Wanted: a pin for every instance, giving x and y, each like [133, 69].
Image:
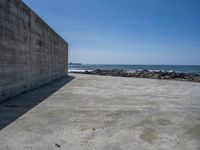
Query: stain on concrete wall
[31, 53]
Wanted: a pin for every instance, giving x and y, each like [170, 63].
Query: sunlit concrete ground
[104, 113]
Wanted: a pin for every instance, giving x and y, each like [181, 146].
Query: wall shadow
[13, 108]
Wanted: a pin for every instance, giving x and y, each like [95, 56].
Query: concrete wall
[31, 53]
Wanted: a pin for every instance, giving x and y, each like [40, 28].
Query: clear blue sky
[126, 31]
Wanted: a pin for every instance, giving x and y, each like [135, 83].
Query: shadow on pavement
[13, 108]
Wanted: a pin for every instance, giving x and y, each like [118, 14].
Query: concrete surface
[31, 53]
[106, 113]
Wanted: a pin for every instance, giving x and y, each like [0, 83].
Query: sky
[126, 31]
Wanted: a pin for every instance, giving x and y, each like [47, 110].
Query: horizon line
[136, 64]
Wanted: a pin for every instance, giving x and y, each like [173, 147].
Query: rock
[57, 145]
[156, 76]
[87, 72]
[171, 75]
[167, 77]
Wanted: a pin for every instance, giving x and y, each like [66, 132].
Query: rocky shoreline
[163, 75]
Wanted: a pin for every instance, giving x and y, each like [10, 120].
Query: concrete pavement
[104, 113]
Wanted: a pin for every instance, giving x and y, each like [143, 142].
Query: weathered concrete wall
[31, 53]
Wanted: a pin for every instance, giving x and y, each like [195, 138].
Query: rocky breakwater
[164, 75]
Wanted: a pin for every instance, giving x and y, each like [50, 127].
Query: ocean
[176, 68]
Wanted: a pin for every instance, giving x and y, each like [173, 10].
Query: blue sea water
[176, 68]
